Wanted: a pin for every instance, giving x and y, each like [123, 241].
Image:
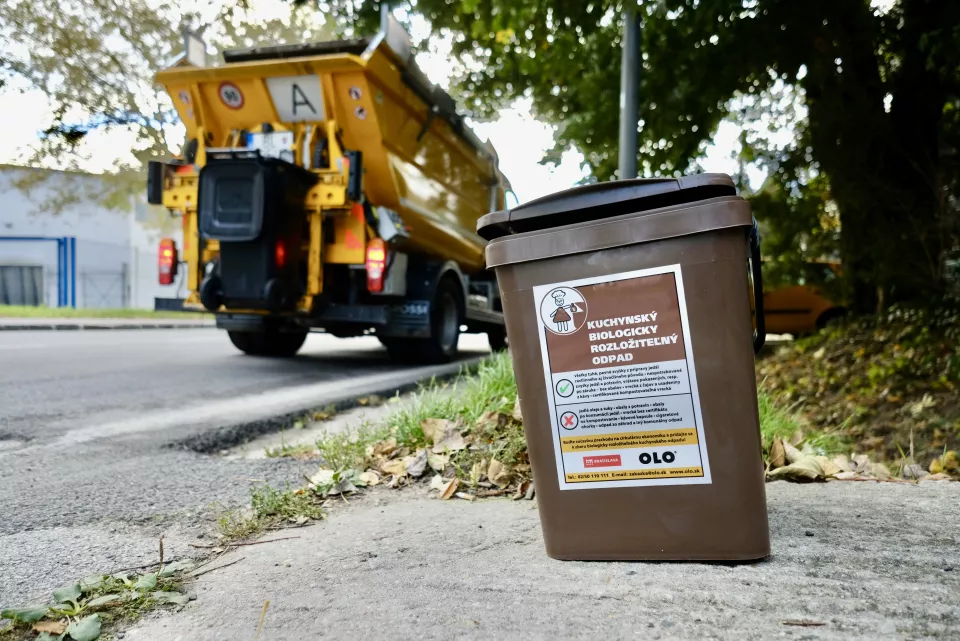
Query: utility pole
[629, 82]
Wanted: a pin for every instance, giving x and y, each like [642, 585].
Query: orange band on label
[627, 440]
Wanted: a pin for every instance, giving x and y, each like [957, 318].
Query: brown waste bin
[628, 307]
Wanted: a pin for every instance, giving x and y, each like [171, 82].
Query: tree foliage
[875, 149]
[871, 95]
[95, 60]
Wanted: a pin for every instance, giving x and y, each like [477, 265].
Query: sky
[520, 140]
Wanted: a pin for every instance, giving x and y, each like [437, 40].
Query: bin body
[631, 344]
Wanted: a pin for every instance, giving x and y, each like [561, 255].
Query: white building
[116, 251]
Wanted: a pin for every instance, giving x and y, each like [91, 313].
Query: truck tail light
[167, 261]
[376, 265]
[280, 254]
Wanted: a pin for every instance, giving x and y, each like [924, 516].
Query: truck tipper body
[329, 186]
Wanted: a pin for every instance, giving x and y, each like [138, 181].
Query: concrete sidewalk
[850, 561]
[103, 323]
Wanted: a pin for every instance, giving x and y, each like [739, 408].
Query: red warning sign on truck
[618, 363]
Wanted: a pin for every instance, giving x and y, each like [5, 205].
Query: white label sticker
[276, 144]
[231, 95]
[297, 98]
[621, 384]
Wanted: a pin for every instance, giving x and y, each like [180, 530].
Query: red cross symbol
[568, 420]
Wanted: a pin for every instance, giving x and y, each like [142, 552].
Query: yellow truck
[329, 187]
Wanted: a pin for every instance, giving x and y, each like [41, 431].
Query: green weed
[775, 421]
[491, 388]
[346, 450]
[86, 609]
[269, 509]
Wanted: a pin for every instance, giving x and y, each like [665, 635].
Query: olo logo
[667, 457]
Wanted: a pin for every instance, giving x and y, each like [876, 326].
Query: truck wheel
[497, 339]
[446, 315]
[269, 343]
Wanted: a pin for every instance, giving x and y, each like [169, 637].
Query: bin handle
[760, 333]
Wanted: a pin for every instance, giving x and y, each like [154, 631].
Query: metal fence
[105, 290]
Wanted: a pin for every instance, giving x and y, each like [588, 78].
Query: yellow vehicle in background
[803, 308]
[329, 186]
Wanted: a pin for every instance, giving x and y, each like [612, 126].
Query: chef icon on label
[563, 310]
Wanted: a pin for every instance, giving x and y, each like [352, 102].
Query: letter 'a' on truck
[329, 186]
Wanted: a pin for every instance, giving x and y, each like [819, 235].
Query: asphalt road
[92, 467]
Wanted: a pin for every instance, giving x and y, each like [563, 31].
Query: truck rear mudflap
[254, 207]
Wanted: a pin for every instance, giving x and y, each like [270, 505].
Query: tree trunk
[883, 167]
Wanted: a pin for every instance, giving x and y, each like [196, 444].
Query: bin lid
[603, 200]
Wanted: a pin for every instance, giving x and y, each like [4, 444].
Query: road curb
[57, 327]
[230, 436]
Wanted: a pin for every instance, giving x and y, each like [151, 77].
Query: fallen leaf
[778, 456]
[86, 629]
[498, 473]
[925, 403]
[829, 467]
[385, 447]
[843, 462]
[396, 467]
[438, 462]
[860, 461]
[521, 490]
[434, 429]
[806, 469]
[452, 442]
[494, 469]
[879, 470]
[517, 413]
[846, 476]
[476, 472]
[491, 420]
[940, 476]
[449, 489]
[417, 465]
[531, 491]
[791, 453]
[53, 627]
[369, 478]
[437, 482]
